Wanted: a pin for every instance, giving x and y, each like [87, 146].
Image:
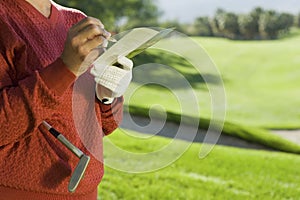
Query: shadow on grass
[181, 65]
[251, 134]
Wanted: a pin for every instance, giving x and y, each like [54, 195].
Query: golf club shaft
[63, 140]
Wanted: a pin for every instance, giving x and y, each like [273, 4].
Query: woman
[42, 49]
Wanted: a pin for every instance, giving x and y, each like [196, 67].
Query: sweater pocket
[58, 163]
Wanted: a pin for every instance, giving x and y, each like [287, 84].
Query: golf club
[82, 164]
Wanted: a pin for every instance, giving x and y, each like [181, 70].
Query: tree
[248, 27]
[146, 14]
[256, 13]
[268, 25]
[203, 27]
[298, 20]
[182, 28]
[285, 22]
[249, 23]
[225, 24]
[272, 23]
[230, 26]
[119, 14]
[215, 28]
[218, 22]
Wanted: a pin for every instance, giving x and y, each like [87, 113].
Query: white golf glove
[114, 79]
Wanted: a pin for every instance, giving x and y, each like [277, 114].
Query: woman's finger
[85, 22]
[92, 32]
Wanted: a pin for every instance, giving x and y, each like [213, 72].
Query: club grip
[54, 132]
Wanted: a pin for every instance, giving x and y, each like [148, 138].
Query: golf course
[261, 84]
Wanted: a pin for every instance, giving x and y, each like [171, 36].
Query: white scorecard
[131, 44]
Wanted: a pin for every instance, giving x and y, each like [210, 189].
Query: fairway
[261, 80]
[225, 174]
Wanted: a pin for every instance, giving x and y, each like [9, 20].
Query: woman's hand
[80, 49]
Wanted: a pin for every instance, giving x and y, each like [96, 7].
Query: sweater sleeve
[23, 106]
[110, 115]
[25, 102]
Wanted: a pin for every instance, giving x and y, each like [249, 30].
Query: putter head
[78, 173]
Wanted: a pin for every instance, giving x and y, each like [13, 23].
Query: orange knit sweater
[35, 85]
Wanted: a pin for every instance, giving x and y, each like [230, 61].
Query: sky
[188, 10]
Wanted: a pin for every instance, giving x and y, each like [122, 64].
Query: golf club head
[78, 173]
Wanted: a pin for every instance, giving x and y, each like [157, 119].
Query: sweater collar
[33, 13]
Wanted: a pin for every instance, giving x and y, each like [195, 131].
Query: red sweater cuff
[57, 77]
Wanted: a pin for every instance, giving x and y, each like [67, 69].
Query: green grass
[226, 173]
[262, 90]
[261, 80]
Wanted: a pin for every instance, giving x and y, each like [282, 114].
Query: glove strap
[107, 101]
